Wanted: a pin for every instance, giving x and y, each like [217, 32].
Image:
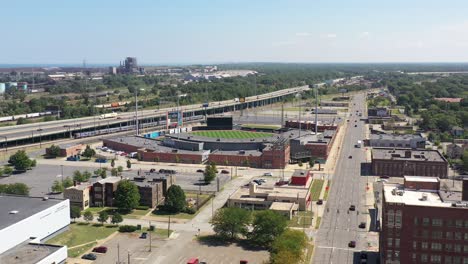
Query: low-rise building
[400, 162]
[103, 191]
[421, 224]
[26, 223]
[455, 151]
[378, 111]
[310, 145]
[300, 177]
[151, 192]
[286, 198]
[67, 150]
[457, 131]
[79, 195]
[399, 141]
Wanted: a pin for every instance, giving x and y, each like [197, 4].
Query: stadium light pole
[299, 97]
[136, 111]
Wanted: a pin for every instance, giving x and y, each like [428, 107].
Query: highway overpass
[33, 133]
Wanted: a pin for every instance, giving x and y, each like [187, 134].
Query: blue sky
[191, 31]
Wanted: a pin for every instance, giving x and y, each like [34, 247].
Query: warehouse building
[398, 141]
[26, 223]
[401, 162]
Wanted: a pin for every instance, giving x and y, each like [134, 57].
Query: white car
[268, 174]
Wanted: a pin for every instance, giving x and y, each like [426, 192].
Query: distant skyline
[187, 32]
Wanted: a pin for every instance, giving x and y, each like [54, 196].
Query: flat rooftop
[421, 179]
[246, 153]
[407, 154]
[280, 206]
[395, 137]
[151, 145]
[25, 207]
[299, 173]
[27, 253]
[198, 138]
[412, 197]
[110, 180]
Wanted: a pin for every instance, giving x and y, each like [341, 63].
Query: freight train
[30, 115]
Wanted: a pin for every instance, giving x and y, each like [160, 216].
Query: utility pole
[149, 231]
[118, 253]
[316, 110]
[128, 254]
[136, 112]
[169, 226]
[61, 166]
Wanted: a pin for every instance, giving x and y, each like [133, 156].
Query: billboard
[174, 117]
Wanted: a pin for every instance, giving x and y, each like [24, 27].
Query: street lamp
[40, 137]
[299, 97]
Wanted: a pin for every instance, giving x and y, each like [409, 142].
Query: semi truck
[109, 115]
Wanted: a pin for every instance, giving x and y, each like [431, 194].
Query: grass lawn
[82, 233]
[316, 189]
[231, 134]
[135, 214]
[301, 219]
[317, 222]
[327, 191]
[96, 210]
[310, 250]
[260, 126]
[202, 197]
[78, 251]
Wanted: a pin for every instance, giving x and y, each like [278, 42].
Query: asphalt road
[339, 225]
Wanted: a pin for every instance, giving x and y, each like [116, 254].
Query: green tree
[7, 170]
[114, 172]
[78, 176]
[120, 169]
[300, 163]
[465, 160]
[88, 216]
[21, 161]
[113, 163]
[210, 173]
[54, 151]
[87, 175]
[103, 217]
[230, 222]
[127, 196]
[57, 187]
[67, 182]
[116, 218]
[175, 199]
[14, 188]
[290, 242]
[129, 164]
[311, 162]
[75, 212]
[267, 225]
[88, 152]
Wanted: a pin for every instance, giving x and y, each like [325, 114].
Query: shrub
[190, 210]
[151, 228]
[142, 207]
[138, 227]
[127, 228]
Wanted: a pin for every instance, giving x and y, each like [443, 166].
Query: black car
[152, 170]
[350, 157]
[200, 170]
[319, 201]
[225, 172]
[352, 244]
[89, 256]
[384, 177]
[352, 208]
[355, 125]
[362, 225]
[143, 235]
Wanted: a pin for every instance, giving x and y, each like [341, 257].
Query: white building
[397, 141]
[25, 223]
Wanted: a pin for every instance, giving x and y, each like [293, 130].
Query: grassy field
[231, 134]
[317, 222]
[325, 195]
[301, 219]
[82, 233]
[316, 189]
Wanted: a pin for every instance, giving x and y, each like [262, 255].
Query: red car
[100, 249]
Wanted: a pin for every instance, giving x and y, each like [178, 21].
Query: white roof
[421, 179]
[411, 197]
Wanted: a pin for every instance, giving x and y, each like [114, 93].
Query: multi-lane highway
[27, 131]
[339, 224]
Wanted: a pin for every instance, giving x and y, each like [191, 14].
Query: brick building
[400, 162]
[67, 150]
[103, 191]
[300, 177]
[312, 146]
[151, 193]
[309, 125]
[399, 141]
[79, 195]
[423, 225]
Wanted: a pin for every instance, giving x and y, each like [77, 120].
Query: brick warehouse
[423, 225]
[400, 162]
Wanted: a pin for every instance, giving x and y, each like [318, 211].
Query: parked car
[319, 201]
[268, 174]
[89, 256]
[262, 180]
[101, 160]
[73, 158]
[352, 207]
[143, 235]
[350, 157]
[257, 182]
[384, 177]
[224, 172]
[193, 261]
[355, 125]
[123, 154]
[200, 171]
[100, 249]
[352, 244]
[167, 171]
[152, 170]
[280, 183]
[362, 225]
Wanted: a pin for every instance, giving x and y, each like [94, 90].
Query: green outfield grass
[231, 134]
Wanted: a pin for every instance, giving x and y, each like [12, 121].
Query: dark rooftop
[27, 253]
[406, 154]
[16, 208]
